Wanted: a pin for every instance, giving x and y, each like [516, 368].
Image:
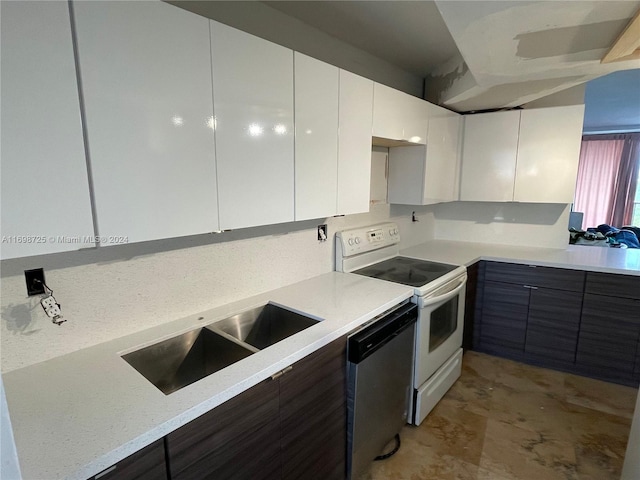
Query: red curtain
[607, 178]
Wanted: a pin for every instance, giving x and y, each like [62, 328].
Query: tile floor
[504, 420]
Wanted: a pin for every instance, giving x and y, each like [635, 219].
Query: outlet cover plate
[33, 287]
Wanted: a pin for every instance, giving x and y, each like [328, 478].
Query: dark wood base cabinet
[580, 322]
[291, 427]
[146, 464]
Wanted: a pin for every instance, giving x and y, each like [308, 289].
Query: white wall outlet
[48, 302]
[53, 311]
[51, 307]
[322, 232]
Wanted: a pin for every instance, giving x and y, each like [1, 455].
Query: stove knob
[357, 239]
[350, 241]
[395, 231]
[391, 232]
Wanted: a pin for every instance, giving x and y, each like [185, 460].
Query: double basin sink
[184, 359]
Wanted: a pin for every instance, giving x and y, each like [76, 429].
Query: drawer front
[148, 463]
[547, 277]
[626, 286]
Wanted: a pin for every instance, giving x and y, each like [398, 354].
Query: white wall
[631, 468]
[115, 291]
[511, 223]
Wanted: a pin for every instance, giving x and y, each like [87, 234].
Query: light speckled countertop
[576, 257]
[77, 414]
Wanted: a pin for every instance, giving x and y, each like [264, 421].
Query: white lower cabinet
[427, 174]
[146, 80]
[45, 201]
[354, 143]
[253, 104]
[316, 137]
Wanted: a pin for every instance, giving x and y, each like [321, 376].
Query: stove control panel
[366, 239]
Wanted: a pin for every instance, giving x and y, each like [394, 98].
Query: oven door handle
[425, 302]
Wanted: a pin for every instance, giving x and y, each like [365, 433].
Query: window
[636, 203]
[607, 190]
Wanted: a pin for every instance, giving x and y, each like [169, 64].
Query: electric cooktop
[407, 271]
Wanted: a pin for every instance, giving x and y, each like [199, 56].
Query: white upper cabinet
[399, 116]
[523, 156]
[316, 138]
[146, 80]
[46, 206]
[387, 113]
[442, 173]
[489, 156]
[422, 175]
[354, 143]
[253, 102]
[548, 154]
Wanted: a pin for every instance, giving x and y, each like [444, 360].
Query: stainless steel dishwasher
[380, 371]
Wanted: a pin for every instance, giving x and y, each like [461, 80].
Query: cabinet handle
[530, 287]
[105, 472]
[281, 372]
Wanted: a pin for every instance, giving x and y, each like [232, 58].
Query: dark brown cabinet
[553, 325]
[291, 427]
[148, 463]
[504, 318]
[610, 327]
[581, 322]
[313, 415]
[238, 439]
[530, 312]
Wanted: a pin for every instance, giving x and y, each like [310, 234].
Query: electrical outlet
[53, 312]
[322, 232]
[48, 302]
[35, 281]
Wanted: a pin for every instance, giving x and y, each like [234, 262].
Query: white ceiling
[480, 55]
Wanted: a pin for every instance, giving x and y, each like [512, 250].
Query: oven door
[440, 326]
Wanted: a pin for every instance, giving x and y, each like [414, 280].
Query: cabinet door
[609, 334]
[548, 154]
[354, 143]
[553, 324]
[533, 275]
[415, 119]
[387, 112]
[313, 415]
[253, 103]
[489, 156]
[45, 188]
[238, 439]
[146, 81]
[146, 464]
[504, 318]
[316, 139]
[441, 176]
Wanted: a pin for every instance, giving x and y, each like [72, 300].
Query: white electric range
[439, 292]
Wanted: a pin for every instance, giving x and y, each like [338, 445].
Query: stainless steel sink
[265, 325]
[187, 358]
[184, 359]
